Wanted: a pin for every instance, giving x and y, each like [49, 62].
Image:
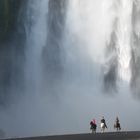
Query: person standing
[93, 126]
[103, 124]
[117, 124]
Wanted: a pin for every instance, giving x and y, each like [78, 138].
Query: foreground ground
[132, 135]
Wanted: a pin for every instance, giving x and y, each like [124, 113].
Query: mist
[66, 63]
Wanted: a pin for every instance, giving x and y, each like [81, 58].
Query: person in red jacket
[93, 126]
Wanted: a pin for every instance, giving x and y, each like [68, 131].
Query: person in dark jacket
[103, 124]
[117, 125]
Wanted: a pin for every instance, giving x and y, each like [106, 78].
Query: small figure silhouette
[103, 124]
[93, 126]
[117, 125]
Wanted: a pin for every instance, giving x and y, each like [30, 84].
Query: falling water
[88, 30]
[118, 50]
[77, 49]
[97, 50]
[36, 34]
[135, 42]
[85, 38]
[123, 38]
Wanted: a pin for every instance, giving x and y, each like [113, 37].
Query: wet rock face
[135, 43]
[11, 47]
[8, 16]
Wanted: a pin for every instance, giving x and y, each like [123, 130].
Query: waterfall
[135, 42]
[123, 39]
[85, 38]
[36, 36]
[76, 51]
[91, 46]
[118, 50]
